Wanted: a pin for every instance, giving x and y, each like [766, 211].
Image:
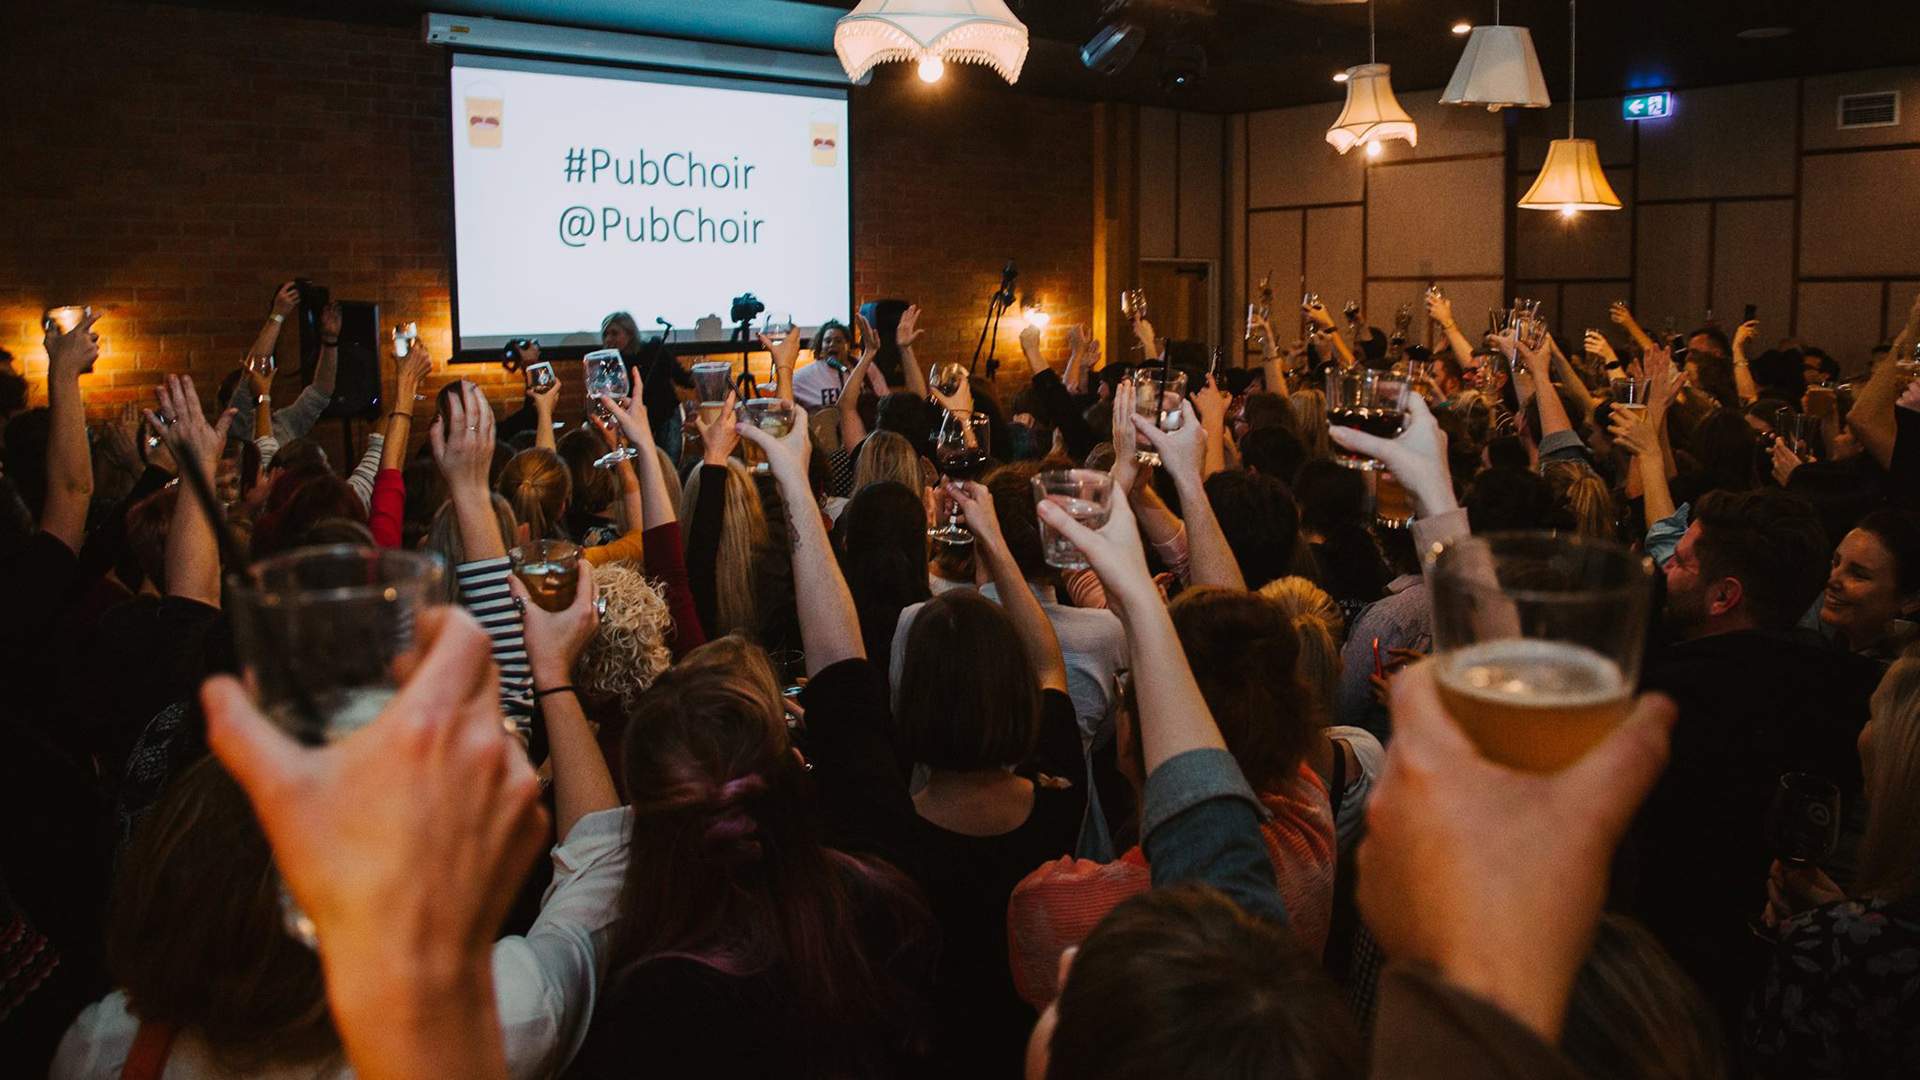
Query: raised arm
[462, 444]
[193, 553]
[904, 336]
[784, 354]
[1211, 404]
[329, 363]
[69, 459]
[555, 639]
[1871, 419]
[1323, 321]
[544, 401]
[852, 428]
[1029, 621]
[1743, 383]
[1440, 310]
[1636, 432]
[1553, 413]
[408, 377]
[1623, 316]
[284, 301]
[1569, 376]
[656, 502]
[260, 386]
[829, 624]
[1181, 453]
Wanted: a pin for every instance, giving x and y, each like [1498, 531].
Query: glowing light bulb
[931, 68]
[1461, 29]
[1339, 76]
[1037, 316]
[1569, 212]
[1373, 149]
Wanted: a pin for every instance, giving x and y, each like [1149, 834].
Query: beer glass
[320, 633]
[1631, 394]
[550, 569]
[1370, 401]
[1087, 494]
[1537, 640]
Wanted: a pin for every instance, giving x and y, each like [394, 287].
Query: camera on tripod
[746, 307]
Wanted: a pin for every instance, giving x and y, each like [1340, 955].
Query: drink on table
[1157, 398]
[712, 382]
[1087, 494]
[550, 569]
[320, 633]
[1538, 640]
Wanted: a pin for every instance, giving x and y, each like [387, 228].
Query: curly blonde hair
[1317, 619]
[630, 650]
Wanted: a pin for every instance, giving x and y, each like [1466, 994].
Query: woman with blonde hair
[1317, 619]
[1309, 408]
[888, 457]
[726, 537]
[1585, 496]
[1839, 998]
[539, 487]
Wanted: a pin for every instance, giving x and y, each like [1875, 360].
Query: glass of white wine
[1537, 641]
[321, 633]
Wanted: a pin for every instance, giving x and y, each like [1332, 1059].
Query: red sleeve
[387, 508]
[667, 563]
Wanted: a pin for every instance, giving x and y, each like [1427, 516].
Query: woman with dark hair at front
[654, 369]
[883, 553]
[1873, 591]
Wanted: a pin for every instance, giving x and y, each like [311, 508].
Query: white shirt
[544, 984]
[817, 385]
[1092, 642]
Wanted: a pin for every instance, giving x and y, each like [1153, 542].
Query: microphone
[1008, 275]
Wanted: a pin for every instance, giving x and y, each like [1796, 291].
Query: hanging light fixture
[931, 33]
[1372, 115]
[1571, 180]
[1498, 69]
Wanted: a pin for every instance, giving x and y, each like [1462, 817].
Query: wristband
[276, 317]
[330, 342]
[566, 689]
[262, 399]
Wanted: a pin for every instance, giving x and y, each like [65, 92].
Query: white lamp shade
[1499, 69]
[1372, 114]
[957, 31]
[1571, 179]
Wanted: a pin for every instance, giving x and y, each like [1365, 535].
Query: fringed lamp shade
[1571, 180]
[1499, 69]
[963, 31]
[1372, 114]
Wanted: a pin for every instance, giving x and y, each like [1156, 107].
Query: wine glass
[1157, 396]
[1372, 401]
[1802, 824]
[960, 447]
[946, 377]
[606, 375]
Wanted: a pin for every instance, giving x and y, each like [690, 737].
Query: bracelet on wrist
[564, 688]
[276, 317]
[330, 343]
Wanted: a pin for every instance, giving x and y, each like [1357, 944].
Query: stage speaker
[885, 317]
[356, 383]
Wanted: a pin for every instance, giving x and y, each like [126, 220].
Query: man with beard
[1757, 698]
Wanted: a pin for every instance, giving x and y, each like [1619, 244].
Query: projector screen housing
[580, 190]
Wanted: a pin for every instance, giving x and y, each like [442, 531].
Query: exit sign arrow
[1647, 106]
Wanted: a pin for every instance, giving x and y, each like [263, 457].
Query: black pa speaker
[356, 383]
[885, 317]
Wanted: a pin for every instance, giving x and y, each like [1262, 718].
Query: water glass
[1087, 494]
[1632, 394]
[1157, 396]
[321, 633]
[712, 382]
[1799, 430]
[550, 569]
[1538, 640]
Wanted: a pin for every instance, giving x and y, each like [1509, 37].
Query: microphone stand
[997, 305]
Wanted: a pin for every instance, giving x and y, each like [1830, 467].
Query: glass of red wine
[960, 451]
[1371, 401]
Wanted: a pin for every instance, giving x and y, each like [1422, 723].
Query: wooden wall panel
[1837, 316]
[1860, 214]
[1292, 165]
[1159, 152]
[1726, 140]
[1436, 218]
[1589, 245]
[1333, 255]
[1199, 162]
[1670, 271]
[1273, 243]
[1753, 261]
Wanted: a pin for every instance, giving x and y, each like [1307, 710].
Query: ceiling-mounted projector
[1112, 47]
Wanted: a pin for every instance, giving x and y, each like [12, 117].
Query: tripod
[997, 305]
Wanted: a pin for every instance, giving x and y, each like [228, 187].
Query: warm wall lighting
[1373, 149]
[1036, 314]
[962, 31]
[931, 68]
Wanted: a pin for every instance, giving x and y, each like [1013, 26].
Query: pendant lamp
[931, 33]
[1498, 69]
[1372, 115]
[1571, 180]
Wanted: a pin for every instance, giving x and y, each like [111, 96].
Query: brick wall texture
[171, 164]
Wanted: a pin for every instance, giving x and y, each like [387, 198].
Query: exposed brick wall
[173, 163]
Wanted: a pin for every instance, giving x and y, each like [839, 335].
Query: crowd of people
[825, 793]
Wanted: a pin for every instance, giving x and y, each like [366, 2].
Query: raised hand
[286, 299]
[1597, 344]
[788, 455]
[1635, 432]
[630, 416]
[976, 505]
[1182, 451]
[1784, 462]
[410, 373]
[720, 435]
[189, 425]
[1621, 314]
[784, 353]
[960, 401]
[330, 321]
[1126, 468]
[1319, 315]
[1417, 456]
[1910, 397]
[1212, 402]
[1113, 550]
[555, 639]
[462, 441]
[1743, 336]
[1492, 876]
[869, 338]
[1439, 308]
[1666, 382]
[908, 331]
[73, 353]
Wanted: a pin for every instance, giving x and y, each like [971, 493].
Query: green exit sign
[1654, 106]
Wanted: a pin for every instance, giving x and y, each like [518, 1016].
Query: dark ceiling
[1267, 53]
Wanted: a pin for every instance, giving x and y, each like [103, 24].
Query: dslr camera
[746, 307]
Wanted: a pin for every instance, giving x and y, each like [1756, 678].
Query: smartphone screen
[1752, 313]
[540, 375]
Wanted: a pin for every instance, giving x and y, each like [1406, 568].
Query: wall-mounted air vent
[1879, 109]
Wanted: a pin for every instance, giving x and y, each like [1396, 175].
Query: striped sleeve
[483, 589]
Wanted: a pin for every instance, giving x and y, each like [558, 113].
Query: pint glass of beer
[1537, 640]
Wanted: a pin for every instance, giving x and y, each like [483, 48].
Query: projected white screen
[581, 191]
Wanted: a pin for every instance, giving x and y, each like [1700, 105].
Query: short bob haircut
[968, 696]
